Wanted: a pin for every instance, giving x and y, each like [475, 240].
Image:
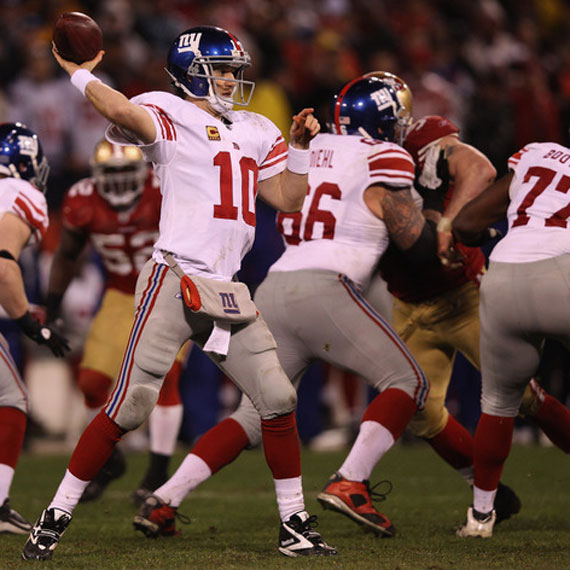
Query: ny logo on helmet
[383, 100]
[28, 145]
[189, 42]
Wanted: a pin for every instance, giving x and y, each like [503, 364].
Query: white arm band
[298, 160]
[444, 225]
[81, 78]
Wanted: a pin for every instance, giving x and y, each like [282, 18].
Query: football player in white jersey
[212, 162]
[525, 298]
[23, 221]
[359, 198]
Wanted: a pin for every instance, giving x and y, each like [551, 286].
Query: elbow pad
[424, 249]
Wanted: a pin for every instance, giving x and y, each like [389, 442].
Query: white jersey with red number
[539, 211]
[335, 230]
[208, 171]
[27, 202]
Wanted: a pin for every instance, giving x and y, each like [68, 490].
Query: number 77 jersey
[539, 209]
[336, 231]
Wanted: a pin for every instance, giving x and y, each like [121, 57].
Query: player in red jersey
[117, 210]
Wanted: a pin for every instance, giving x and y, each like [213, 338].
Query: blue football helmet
[21, 155]
[192, 62]
[369, 106]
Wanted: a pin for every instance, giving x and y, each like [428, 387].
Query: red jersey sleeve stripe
[24, 210]
[167, 126]
[391, 163]
[277, 153]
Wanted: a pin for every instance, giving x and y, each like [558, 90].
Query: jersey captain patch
[213, 133]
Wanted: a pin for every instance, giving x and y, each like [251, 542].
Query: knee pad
[95, 387]
[430, 421]
[139, 401]
[279, 397]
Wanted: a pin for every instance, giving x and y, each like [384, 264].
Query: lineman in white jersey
[525, 298]
[23, 221]
[359, 198]
[211, 162]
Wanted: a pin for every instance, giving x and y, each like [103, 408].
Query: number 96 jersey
[124, 240]
[336, 231]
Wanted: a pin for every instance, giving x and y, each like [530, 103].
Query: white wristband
[80, 79]
[298, 160]
[444, 225]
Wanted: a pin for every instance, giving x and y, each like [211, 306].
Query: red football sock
[95, 447]
[12, 429]
[393, 409]
[553, 417]
[493, 440]
[281, 446]
[221, 444]
[454, 444]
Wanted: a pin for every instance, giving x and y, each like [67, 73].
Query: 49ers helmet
[368, 106]
[192, 62]
[21, 155]
[120, 173]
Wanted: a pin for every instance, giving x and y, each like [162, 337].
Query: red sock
[12, 429]
[454, 444]
[493, 440]
[281, 446]
[553, 417]
[95, 447]
[392, 408]
[221, 444]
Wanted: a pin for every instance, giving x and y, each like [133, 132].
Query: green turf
[235, 522]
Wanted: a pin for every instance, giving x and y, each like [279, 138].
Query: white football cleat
[477, 524]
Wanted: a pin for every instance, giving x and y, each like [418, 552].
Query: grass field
[235, 522]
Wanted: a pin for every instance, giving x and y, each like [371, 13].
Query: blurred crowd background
[500, 70]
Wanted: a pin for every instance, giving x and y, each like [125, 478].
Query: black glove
[432, 182]
[43, 334]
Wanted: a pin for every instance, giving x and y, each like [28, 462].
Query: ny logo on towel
[229, 304]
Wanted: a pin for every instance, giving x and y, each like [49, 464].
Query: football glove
[432, 183]
[43, 334]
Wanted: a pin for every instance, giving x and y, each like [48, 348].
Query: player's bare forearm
[12, 294]
[285, 192]
[470, 171]
[110, 103]
[483, 211]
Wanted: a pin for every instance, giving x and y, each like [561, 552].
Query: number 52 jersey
[539, 210]
[336, 231]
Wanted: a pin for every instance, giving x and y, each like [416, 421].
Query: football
[77, 37]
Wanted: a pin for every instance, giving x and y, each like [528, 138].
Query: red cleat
[354, 500]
